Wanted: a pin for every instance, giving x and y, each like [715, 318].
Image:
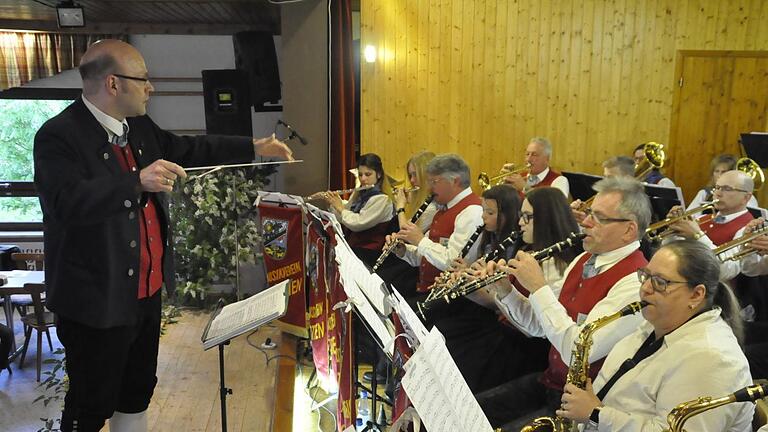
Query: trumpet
[465, 289]
[316, 195]
[658, 231]
[388, 250]
[486, 182]
[743, 240]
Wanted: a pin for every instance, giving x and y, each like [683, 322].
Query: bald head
[106, 57]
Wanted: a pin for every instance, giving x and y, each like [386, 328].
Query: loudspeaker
[255, 54]
[227, 102]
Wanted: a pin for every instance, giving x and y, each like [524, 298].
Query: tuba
[752, 169]
[681, 413]
[578, 370]
[653, 157]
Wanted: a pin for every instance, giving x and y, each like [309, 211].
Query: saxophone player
[687, 347]
[596, 283]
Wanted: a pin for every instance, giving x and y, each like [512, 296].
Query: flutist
[596, 283]
[367, 215]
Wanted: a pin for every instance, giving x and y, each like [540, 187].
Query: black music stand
[580, 185]
[663, 199]
[239, 318]
[756, 147]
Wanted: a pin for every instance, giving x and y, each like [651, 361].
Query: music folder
[580, 184]
[232, 320]
[756, 147]
[663, 199]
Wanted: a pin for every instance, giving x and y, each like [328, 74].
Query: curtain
[342, 95]
[29, 56]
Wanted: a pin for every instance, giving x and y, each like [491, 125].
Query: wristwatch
[400, 210]
[594, 418]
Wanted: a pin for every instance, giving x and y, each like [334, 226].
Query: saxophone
[681, 413]
[578, 370]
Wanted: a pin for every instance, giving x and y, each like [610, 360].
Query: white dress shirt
[440, 255]
[666, 182]
[754, 265]
[425, 220]
[378, 209]
[110, 124]
[516, 307]
[700, 358]
[550, 319]
[560, 182]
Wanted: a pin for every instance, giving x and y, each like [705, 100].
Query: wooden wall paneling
[581, 82]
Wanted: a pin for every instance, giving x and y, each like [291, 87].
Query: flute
[340, 191]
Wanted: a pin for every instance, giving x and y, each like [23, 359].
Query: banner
[340, 346]
[317, 285]
[401, 355]
[281, 230]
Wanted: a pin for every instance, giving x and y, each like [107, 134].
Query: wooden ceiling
[148, 16]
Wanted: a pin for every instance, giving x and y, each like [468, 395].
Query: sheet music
[411, 323]
[439, 392]
[237, 318]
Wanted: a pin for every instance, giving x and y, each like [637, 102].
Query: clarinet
[385, 253]
[441, 281]
[468, 288]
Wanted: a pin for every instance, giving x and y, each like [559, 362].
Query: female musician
[417, 176]
[719, 165]
[367, 215]
[545, 219]
[687, 348]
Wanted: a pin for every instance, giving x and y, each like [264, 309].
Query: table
[15, 285]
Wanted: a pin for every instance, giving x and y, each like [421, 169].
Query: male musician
[458, 216]
[103, 168]
[654, 176]
[471, 332]
[619, 166]
[537, 155]
[732, 191]
[756, 264]
[598, 282]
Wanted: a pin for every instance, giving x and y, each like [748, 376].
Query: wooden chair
[41, 320]
[22, 303]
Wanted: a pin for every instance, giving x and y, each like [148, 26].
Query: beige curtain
[28, 56]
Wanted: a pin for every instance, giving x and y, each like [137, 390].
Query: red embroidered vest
[442, 226]
[372, 238]
[548, 179]
[579, 297]
[723, 233]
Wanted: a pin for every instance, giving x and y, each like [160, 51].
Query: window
[22, 112]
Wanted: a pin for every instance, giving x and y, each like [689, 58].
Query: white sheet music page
[439, 392]
[236, 318]
[411, 323]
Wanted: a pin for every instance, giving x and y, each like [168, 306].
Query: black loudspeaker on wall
[255, 54]
[227, 102]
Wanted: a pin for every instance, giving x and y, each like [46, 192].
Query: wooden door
[719, 94]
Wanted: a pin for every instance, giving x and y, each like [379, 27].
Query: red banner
[340, 347]
[402, 353]
[281, 231]
[317, 285]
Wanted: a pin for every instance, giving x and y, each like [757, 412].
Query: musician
[622, 166]
[458, 215]
[368, 214]
[416, 169]
[537, 155]
[687, 347]
[596, 283]
[719, 165]
[654, 176]
[733, 190]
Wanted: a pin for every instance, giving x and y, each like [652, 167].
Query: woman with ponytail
[689, 347]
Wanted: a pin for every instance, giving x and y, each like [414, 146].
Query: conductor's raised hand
[160, 176]
[272, 147]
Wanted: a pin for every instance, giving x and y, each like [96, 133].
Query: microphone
[293, 134]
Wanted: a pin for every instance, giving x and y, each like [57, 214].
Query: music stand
[581, 185]
[228, 322]
[663, 199]
[756, 147]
